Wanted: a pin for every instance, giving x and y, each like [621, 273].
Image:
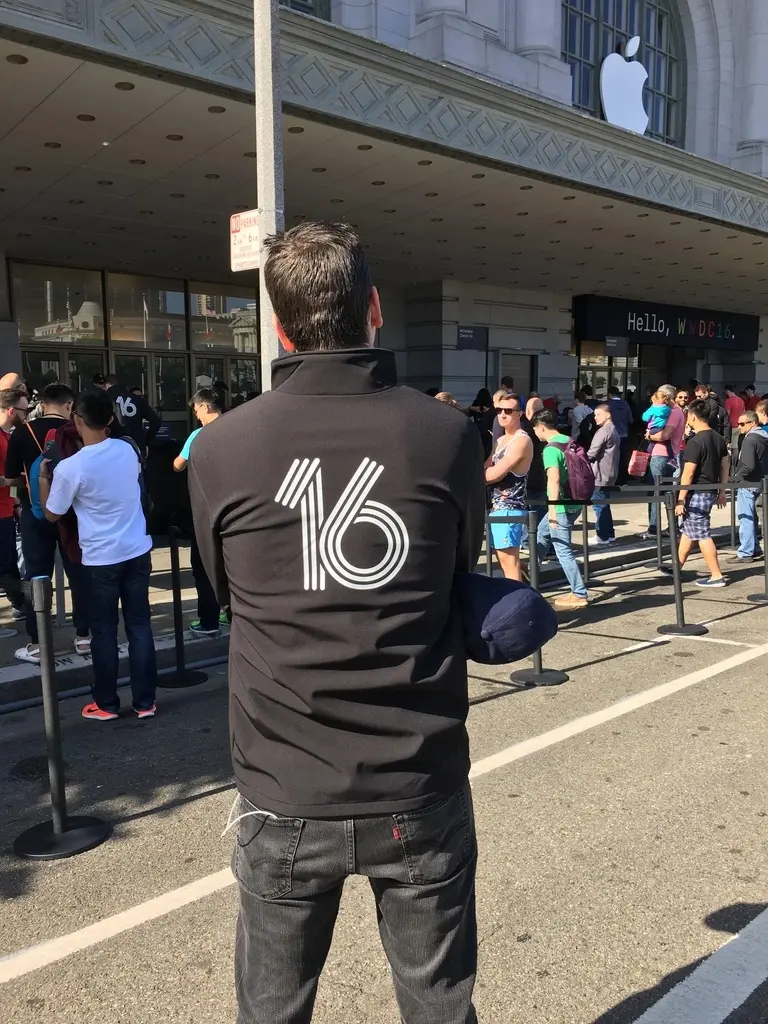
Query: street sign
[244, 245]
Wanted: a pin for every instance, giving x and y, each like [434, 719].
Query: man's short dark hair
[320, 285]
[508, 382]
[750, 416]
[613, 390]
[209, 397]
[95, 409]
[545, 418]
[112, 379]
[10, 398]
[57, 394]
[750, 387]
[700, 409]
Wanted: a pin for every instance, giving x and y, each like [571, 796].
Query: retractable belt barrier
[657, 494]
[183, 676]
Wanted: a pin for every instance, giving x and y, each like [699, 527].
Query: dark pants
[10, 580]
[625, 451]
[421, 868]
[603, 515]
[207, 602]
[125, 584]
[39, 540]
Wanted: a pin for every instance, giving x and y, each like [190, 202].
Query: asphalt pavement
[622, 822]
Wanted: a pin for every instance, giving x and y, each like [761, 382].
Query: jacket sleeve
[472, 525]
[208, 536]
[747, 463]
[598, 446]
[153, 420]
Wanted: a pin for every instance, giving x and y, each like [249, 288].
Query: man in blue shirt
[206, 405]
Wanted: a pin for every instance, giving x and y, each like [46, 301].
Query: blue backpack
[33, 476]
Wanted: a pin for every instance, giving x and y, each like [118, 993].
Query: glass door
[132, 371]
[208, 370]
[81, 369]
[40, 367]
[244, 380]
[170, 393]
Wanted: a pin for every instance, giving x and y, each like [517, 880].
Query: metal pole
[61, 601]
[585, 542]
[657, 506]
[269, 159]
[488, 552]
[733, 517]
[537, 676]
[182, 676]
[679, 628]
[62, 836]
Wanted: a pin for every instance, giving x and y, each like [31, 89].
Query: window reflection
[223, 317]
[146, 311]
[60, 305]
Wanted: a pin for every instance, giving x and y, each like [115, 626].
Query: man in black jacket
[335, 541]
[135, 415]
[750, 469]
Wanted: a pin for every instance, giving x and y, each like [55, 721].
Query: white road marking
[718, 640]
[22, 962]
[623, 707]
[721, 984]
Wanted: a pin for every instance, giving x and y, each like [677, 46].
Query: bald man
[12, 381]
[532, 406]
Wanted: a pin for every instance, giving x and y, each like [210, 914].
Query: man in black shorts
[705, 461]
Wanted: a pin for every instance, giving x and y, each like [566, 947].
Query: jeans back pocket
[438, 841]
[265, 848]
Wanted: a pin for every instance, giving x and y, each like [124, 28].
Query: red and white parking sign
[244, 240]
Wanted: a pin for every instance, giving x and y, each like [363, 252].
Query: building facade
[511, 227]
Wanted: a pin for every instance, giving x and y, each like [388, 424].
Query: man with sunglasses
[506, 471]
[750, 469]
[13, 409]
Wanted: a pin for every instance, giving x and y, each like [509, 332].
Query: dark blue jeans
[603, 515]
[125, 584]
[10, 580]
[421, 869]
[39, 540]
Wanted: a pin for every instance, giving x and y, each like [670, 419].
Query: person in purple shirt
[666, 440]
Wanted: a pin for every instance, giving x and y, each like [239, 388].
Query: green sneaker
[223, 619]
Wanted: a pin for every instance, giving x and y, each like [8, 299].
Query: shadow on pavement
[732, 919]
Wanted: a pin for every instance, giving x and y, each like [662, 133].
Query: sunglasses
[744, 423]
[507, 412]
[18, 408]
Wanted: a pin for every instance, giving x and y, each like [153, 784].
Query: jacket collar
[350, 371]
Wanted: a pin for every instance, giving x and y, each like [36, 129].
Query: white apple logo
[621, 89]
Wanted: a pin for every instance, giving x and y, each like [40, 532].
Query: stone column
[538, 28]
[752, 88]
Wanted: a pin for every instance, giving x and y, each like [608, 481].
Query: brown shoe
[570, 601]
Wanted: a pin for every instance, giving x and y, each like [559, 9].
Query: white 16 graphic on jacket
[322, 537]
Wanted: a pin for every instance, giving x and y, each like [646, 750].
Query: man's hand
[552, 518]
[679, 508]
[722, 499]
[45, 470]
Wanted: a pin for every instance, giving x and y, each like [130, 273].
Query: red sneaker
[94, 711]
[146, 712]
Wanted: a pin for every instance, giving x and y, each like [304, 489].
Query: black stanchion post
[488, 552]
[733, 494]
[680, 628]
[62, 836]
[585, 542]
[182, 676]
[537, 676]
[764, 502]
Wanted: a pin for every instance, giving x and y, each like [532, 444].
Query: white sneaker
[31, 653]
[597, 542]
[83, 646]
[18, 613]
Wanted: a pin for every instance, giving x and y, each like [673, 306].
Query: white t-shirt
[578, 413]
[101, 483]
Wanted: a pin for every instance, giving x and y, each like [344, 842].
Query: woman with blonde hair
[447, 399]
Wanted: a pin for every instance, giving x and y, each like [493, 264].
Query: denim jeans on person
[207, 602]
[746, 513]
[125, 584]
[421, 869]
[560, 538]
[540, 509]
[658, 469]
[603, 515]
[10, 579]
[39, 540]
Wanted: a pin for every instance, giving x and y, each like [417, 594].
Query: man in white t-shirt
[102, 484]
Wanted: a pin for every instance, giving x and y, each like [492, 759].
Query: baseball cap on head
[98, 378]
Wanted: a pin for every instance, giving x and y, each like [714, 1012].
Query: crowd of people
[687, 436]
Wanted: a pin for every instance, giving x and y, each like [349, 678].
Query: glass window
[243, 380]
[610, 24]
[146, 311]
[171, 384]
[40, 368]
[593, 353]
[131, 371]
[81, 369]
[60, 305]
[223, 317]
[207, 371]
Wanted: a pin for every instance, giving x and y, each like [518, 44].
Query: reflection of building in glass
[87, 324]
[216, 327]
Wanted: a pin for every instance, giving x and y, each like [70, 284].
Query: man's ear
[376, 318]
[285, 341]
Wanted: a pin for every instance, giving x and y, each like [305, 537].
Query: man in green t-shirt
[555, 529]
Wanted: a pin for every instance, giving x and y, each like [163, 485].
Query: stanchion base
[758, 598]
[41, 843]
[690, 629]
[177, 680]
[530, 677]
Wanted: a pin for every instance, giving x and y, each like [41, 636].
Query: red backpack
[581, 477]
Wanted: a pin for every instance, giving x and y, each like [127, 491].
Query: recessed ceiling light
[364, 148]
[640, 215]
[519, 234]
[430, 195]
[138, 162]
[149, 250]
[629, 236]
[118, 227]
[442, 241]
[660, 241]
[174, 138]
[435, 220]
[295, 130]
[177, 195]
[646, 259]
[22, 168]
[179, 237]
[50, 218]
[554, 241]
[23, 234]
[618, 254]
[444, 259]
[397, 233]
[209, 222]
[213, 177]
[318, 170]
[674, 223]
[390, 211]
[147, 213]
[714, 254]
[85, 117]
[52, 145]
[587, 247]
[480, 227]
[597, 229]
[337, 200]
[522, 213]
[481, 246]
[561, 222]
[377, 183]
[424, 163]
[125, 86]
[478, 204]
[526, 188]
[408, 253]
[731, 237]
[704, 231]
[105, 181]
[17, 58]
[478, 175]
[608, 206]
[687, 248]
[251, 154]
[216, 110]
[90, 243]
[241, 206]
[737, 258]
[75, 202]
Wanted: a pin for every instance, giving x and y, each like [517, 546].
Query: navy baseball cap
[503, 620]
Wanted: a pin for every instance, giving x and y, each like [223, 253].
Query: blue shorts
[507, 535]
